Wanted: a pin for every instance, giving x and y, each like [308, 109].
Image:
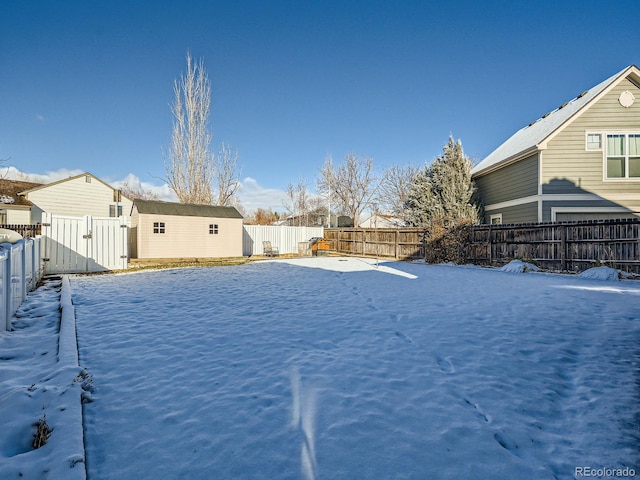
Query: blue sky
[86, 86]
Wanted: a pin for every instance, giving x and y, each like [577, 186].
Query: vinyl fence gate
[83, 244]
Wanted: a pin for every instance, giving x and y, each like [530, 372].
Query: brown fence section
[570, 246]
[27, 231]
[401, 243]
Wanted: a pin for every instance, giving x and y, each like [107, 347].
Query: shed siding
[187, 237]
[525, 213]
[76, 197]
[509, 183]
[566, 158]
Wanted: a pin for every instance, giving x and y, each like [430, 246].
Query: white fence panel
[286, 239]
[84, 244]
[109, 242]
[20, 272]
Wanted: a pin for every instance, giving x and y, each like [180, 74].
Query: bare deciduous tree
[394, 190]
[262, 216]
[227, 175]
[189, 170]
[297, 203]
[353, 184]
[137, 192]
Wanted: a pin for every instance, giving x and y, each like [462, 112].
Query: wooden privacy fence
[567, 246]
[399, 243]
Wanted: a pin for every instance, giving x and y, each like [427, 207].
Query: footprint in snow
[403, 337]
[479, 413]
[445, 365]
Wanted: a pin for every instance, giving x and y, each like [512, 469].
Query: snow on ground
[329, 368]
[38, 381]
[344, 370]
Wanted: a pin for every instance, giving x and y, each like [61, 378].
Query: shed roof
[532, 137]
[156, 207]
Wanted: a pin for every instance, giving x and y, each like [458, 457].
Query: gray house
[579, 162]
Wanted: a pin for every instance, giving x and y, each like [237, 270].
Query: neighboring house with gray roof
[579, 162]
[175, 230]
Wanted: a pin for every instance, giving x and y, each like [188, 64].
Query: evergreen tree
[444, 192]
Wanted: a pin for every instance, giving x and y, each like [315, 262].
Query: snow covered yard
[277, 370]
[327, 368]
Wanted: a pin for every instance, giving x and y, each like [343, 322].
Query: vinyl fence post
[6, 287]
[23, 271]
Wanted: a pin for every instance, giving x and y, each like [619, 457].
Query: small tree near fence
[442, 200]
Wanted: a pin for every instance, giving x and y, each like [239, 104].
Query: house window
[3, 217]
[495, 219]
[87, 179]
[594, 141]
[622, 155]
[213, 229]
[158, 227]
[112, 211]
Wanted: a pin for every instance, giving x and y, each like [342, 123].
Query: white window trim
[495, 216]
[604, 156]
[586, 141]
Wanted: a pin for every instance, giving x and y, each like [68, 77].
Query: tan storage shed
[176, 230]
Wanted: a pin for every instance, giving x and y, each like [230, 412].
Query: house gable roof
[47, 185]
[534, 136]
[10, 192]
[155, 207]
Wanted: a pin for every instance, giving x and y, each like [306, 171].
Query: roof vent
[563, 105]
[546, 115]
[582, 94]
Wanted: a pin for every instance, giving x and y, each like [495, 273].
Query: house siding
[566, 158]
[525, 213]
[187, 237]
[18, 216]
[514, 181]
[75, 197]
[591, 209]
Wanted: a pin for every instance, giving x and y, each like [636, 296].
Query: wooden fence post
[563, 247]
[490, 245]
[397, 240]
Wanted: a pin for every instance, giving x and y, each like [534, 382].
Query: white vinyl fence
[286, 239]
[20, 271]
[84, 244]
